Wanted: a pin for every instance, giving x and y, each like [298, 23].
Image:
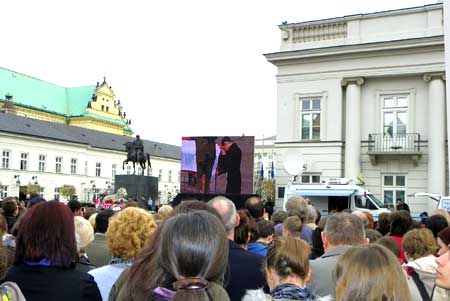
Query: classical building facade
[53, 154]
[363, 97]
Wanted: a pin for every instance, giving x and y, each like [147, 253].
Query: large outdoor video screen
[217, 164]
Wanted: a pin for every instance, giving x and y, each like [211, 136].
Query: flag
[272, 172]
[261, 173]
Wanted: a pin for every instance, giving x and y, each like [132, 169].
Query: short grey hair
[311, 213]
[227, 211]
[345, 229]
[297, 206]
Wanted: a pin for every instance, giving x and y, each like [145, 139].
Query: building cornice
[436, 75]
[395, 12]
[292, 57]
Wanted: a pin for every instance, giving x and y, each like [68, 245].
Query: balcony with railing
[394, 144]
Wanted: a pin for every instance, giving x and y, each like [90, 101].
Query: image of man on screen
[230, 163]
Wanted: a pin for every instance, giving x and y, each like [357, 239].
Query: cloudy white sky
[180, 68]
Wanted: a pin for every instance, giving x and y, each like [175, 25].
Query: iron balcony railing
[395, 143]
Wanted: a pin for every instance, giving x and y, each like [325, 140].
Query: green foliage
[67, 190]
[33, 188]
[268, 190]
[122, 192]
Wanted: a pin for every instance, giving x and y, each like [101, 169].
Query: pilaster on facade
[352, 126]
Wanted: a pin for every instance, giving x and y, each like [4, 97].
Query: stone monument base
[138, 186]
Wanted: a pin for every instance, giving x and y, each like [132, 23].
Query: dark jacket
[246, 271]
[10, 220]
[53, 283]
[231, 165]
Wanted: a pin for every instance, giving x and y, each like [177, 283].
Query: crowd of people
[215, 252]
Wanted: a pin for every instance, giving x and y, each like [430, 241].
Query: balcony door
[395, 122]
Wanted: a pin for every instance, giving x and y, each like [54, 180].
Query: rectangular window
[139, 170]
[150, 172]
[58, 166]
[128, 170]
[4, 192]
[56, 195]
[42, 159]
[23, 161]
[85, 168]
[41, 192]
[114, 170]
[310, 179]
[5, 159]
[281, 192]
[310, 119]
[170, 176]
[73, 166]
[395, 115]
[160, 175]
[98, 169]
[394, 187]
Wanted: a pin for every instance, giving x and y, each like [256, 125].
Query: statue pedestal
[138, 186]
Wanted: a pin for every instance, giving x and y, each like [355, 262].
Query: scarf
[292, 292]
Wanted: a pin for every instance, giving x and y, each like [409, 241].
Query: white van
[336, 195]
[443, 202]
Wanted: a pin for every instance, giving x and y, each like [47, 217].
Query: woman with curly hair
[127, 233]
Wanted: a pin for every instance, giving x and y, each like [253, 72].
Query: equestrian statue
[136, 154]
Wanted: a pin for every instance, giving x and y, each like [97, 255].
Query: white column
[447, 70]
[436, 132]
[352, 126]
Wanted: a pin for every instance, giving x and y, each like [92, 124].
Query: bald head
[227, 211]
[255, 206]
[297, 206]
[363, 218]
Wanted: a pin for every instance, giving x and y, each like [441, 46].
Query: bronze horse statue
[132, 157]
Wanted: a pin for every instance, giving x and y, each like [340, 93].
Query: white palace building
[363, 97]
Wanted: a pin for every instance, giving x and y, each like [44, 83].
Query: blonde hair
[288, 255]
[165, 211]
[370, 272]
[419, 243]
[128, 231]
[92, 219]
[84, 232]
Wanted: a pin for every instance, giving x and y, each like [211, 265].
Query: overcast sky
[180, 68]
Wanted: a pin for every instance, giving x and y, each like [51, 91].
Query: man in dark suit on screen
[230, 163]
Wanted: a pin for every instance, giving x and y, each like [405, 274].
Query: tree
[122, 192]
[268, 190]
[67, 191]
[33, 188]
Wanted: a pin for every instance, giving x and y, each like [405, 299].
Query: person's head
[443, 270]
[75, 207]
[278, 217]
[343, 229]
[164, 211]
[418, 243]
[138, 137]
[292, 227]
[3, 226]
[370, 272]
[297, 206]
[399, 202]
[131, 204]
[311, 214]
[400, 222]
[84, 233]
[187, 245]
[389, 243]
[266, 231]
[102, 220]
[287, 258]
[193, 205]
[372, 235]
[9, 206]
[436, 223]
[443, 241]
[363, 218]
[255, 207]
[47, 231]
[371, 221]
[383, 224]
[442, 212]
[35, 200]
[227, 211]
[242, 232]
[128, 231]
[226, 143]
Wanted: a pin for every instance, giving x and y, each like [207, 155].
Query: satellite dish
[293, 162]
